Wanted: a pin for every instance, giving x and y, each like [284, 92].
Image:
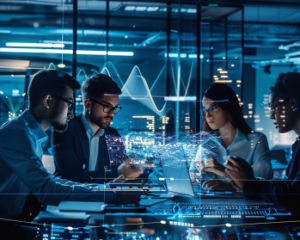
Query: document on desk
[78, 206]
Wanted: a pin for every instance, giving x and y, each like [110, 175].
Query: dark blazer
[284, 193]
[71, 152]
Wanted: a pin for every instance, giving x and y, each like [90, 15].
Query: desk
[183, 218]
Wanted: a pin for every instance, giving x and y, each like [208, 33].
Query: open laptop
[179, 182]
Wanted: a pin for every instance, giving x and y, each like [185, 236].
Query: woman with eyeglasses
[284, 102]
[222, 115]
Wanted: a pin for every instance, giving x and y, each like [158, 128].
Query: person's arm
[18, 152]
[261, 159]
[284, 193]
[67, 161]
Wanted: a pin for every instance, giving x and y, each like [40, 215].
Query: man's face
[61, 114]
[97, 115]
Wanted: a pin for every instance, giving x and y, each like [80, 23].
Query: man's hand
[139, 225]
[129, 170]
[217, 185]
[212, 165]
[238, 170]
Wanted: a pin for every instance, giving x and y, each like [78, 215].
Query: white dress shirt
[93, 141]
[252, 147]
[22, 170]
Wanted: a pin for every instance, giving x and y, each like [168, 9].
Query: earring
[295, 109]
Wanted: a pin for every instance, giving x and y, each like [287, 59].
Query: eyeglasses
[275, 107]
[70, 104]
[107, 108]
[211, 110]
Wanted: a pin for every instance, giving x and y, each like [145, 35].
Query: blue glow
[59, 51]
[195, 56]
[175, 55]
[47, 45]
[129, 8]
[141, 8]
[152, 9]
[192, 10]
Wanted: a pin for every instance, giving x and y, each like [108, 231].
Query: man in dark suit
[81, 153]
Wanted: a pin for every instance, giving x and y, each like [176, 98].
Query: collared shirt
[252, 147]
[22, 170]
[93, 141]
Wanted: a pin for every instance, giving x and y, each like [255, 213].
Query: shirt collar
[240, 136]
[88, 128]
[36, 128]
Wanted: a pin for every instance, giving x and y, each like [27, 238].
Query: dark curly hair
[96, 86]
[287, 85]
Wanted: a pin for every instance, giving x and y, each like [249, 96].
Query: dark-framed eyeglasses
[212, 110]
[275, 107]
[107, 108]
[70, 104]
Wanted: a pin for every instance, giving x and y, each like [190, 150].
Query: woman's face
[217, 119]
[283, 113]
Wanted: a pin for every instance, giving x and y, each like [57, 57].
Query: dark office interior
[163, 55]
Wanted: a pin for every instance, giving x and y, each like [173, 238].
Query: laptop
[179, 182]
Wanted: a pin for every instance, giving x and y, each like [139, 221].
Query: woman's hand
[217, 185]
[212, 165]
[239, 171]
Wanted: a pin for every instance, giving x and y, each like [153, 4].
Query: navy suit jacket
[284, 193]
[71, 152]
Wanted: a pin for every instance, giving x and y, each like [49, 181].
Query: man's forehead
[69, 93]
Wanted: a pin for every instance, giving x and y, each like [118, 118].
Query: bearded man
[81, 152]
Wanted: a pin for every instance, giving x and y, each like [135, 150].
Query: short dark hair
[287, 85]
[96, 86]
[219, 91]
[49, 82]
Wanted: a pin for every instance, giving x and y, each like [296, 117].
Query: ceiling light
[192, 10]
[141, 8]
[195, 56]
[129, 8]
[61, 65]
[15, 44]
[59, 51]
[182, 55]
[152, 9]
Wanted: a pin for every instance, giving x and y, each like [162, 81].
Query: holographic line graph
[137, 85]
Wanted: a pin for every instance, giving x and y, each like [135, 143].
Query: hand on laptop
[138, 223]
[217, 185]
[238, 170]
[129, 170]
[212, 165]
